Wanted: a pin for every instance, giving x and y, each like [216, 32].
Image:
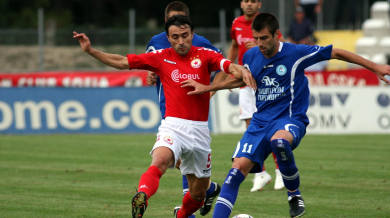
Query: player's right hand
[151, 78]
[199, 88]
[83, 40]
[248, 78]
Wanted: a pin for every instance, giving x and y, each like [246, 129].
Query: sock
[185, 184]
[149, 181]
[185, 189]
[263, 167]
[228, 195]
[211, 190]
[189, 206]
[286, 161]
[295, 193]
[276, 161]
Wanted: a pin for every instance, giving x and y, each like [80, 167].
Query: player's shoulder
[157, 42]
[251, 54]
[205, 50]
[199, 40]
[239, 20]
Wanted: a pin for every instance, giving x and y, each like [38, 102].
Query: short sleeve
[313, 54]
[218, 62]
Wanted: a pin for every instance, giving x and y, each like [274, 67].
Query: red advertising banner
[354, 77]
[75, 79]
[136, 78]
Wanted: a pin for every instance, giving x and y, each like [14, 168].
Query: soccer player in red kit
[184, 132]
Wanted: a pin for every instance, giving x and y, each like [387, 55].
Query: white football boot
[260, 180]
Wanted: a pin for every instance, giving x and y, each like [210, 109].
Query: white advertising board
[332, 110]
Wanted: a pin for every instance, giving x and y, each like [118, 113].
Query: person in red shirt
[184, 132]
[242, 40]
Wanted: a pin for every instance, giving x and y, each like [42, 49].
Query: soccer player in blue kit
[160, 41]
[282, 100]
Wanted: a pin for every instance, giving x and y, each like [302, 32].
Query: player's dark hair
[179, 21]
[265, 20]
[177, 6]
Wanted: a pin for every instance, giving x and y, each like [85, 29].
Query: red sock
[263, 167]
[276, 161]
[149, 181]
[189, 206]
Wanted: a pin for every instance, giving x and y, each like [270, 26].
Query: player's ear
[258, 8]
[277, 33]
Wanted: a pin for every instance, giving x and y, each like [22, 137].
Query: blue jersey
[160, 41]
[283, 90]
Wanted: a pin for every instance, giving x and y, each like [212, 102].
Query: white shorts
[247, 102]
[189, 140]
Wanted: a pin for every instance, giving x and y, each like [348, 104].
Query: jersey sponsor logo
[176, 76]
[270, 93]
[168, 139]
[281, 70]
[241, 40]
[270, 81]
[239, 29]
[267, 66]
[168, 61]
[196, 63]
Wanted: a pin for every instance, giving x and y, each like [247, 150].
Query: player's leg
[211, 194]
[248, 157]
[237, 174]
[194, 198]
[285, 139]
[163, 158]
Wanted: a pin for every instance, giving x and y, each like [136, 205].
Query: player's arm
[221, 76]
[113, 60]
[240, 72]
[379, 70]
[230, 83]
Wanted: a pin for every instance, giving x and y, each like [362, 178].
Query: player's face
[250, 7]
[267, 43]
[180, 38]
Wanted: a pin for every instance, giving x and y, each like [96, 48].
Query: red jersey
[173, 69]
[241, 32]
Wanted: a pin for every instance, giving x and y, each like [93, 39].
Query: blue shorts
[255, 144]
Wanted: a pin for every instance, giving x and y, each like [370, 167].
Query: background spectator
[301, 28]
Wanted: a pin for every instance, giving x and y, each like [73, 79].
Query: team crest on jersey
[168, 139]
[281, 70]
[196, 63]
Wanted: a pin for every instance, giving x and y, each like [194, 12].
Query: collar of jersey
[188, 55]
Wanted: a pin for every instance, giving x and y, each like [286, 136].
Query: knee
[282, 150]
[161, 164]
[198, 195]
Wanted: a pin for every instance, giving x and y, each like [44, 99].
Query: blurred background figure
[301, 28]
[311, 7]
[345, 8]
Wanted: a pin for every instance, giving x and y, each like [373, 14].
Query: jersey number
[245, 147]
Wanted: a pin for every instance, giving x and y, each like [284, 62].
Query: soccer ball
[242, 216]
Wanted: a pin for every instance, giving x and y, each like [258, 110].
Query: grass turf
[96, 176]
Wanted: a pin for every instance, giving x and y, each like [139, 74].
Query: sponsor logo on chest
[176, 76]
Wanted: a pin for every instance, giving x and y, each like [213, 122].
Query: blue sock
[286, 161]
[211, 190]
[185, 189]
[185, 184]
[228, 195]
[297, 192]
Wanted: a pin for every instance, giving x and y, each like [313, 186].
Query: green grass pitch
[96, 176]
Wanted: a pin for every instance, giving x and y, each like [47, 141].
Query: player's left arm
[230, 83]
[379, 70]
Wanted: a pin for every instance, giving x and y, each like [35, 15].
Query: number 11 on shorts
[245, 147]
